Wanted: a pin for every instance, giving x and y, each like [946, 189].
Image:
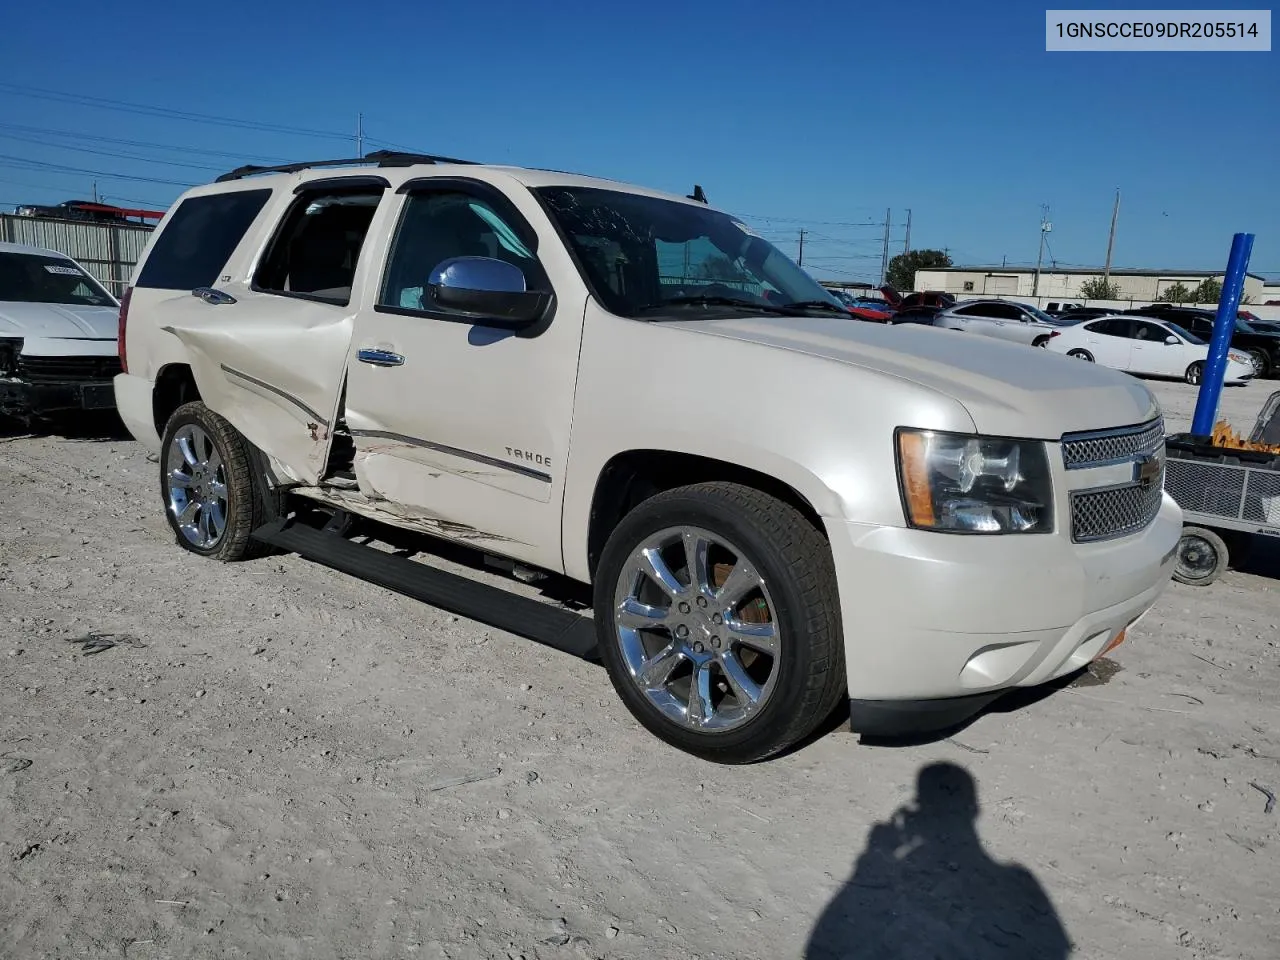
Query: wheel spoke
[700, 709]
[695, 555]
[745, 689]
[742, 578]
[217, 519]
[188, 514]
[214, 464]
[218, 490]
[762, 637]
[179, 479]
[186, 447]
[657, 669]
[641, 616]
[656, 569]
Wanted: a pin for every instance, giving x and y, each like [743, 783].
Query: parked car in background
[864, 308]
[1003, 319]
[919, 314]
[1263, 347]
[57, 335]
[929, 298]
[1148, 347]
[1077, 314]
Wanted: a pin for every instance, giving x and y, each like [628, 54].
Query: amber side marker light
[1116, 641]
[914, 460]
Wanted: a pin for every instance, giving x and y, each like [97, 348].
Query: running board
[551, 626]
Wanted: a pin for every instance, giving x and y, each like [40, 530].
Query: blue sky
[805, 114]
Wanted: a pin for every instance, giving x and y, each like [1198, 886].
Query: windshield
[1243, 326]
[1185, 334]
[32, 278]
[643, 255]
[1045, 318]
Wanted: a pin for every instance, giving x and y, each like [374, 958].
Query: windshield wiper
[735, 302]
[816, 305]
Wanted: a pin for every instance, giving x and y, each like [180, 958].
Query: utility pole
[360, 134]
[1045, 227]
[884, 256]
[800, 261]
[1111, 239]
[906, 244]
[95, 191]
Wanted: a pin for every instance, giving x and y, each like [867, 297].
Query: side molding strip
[454, 451]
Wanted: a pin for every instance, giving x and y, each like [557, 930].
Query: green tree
[1208, 291]
[1177, 293]
[1096, 288]
[903, 267]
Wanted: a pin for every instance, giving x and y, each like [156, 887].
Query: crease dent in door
[277, 384]
[405, 516]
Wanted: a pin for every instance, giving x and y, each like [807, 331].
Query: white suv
[778, 509]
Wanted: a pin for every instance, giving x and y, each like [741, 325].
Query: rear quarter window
[198, 240]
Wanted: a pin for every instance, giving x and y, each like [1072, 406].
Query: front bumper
[931, 617]
[23, 397]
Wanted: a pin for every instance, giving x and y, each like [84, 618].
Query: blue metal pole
[1224, 325]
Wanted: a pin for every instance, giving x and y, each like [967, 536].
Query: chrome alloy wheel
[696, 627]
[196, 481]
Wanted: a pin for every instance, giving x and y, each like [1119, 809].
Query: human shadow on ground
[924, 889]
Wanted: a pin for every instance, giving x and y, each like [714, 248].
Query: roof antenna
[697, 194]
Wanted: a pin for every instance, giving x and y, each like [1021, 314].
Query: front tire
[1195, 373]
[214, 486]
[719, 623]
[1081, 355]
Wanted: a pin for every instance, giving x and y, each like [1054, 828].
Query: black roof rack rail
[383, 158]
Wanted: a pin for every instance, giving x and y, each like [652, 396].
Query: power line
[143, 109]
[108, 153]
[145, 144]
[60, 168]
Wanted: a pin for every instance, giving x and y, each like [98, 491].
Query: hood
[58, 320]
[1008, 389]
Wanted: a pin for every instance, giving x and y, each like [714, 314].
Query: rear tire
[1202, 557]
[686, 659]
[1081, 355]
[1195, 373]
[214, 485]
[1040, 342]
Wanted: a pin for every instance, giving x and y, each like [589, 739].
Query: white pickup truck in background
[779, 509]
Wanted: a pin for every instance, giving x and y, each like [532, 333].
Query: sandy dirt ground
[274, 760]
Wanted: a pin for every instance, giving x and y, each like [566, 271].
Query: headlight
[10, 347]
[959, 483]
[1240, 357]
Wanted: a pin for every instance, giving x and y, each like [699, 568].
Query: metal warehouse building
[1064, 283]
[107, 250]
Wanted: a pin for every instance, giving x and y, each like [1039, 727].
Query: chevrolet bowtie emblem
[1146, 470]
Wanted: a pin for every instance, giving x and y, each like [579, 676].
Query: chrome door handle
[212, 296]
[379, 358]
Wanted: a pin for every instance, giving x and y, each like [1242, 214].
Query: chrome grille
[1099, 447]
[1114, 511]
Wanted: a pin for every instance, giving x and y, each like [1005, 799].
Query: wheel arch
[632, 476]
[175, 385]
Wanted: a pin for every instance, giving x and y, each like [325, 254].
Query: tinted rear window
[194, 246]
